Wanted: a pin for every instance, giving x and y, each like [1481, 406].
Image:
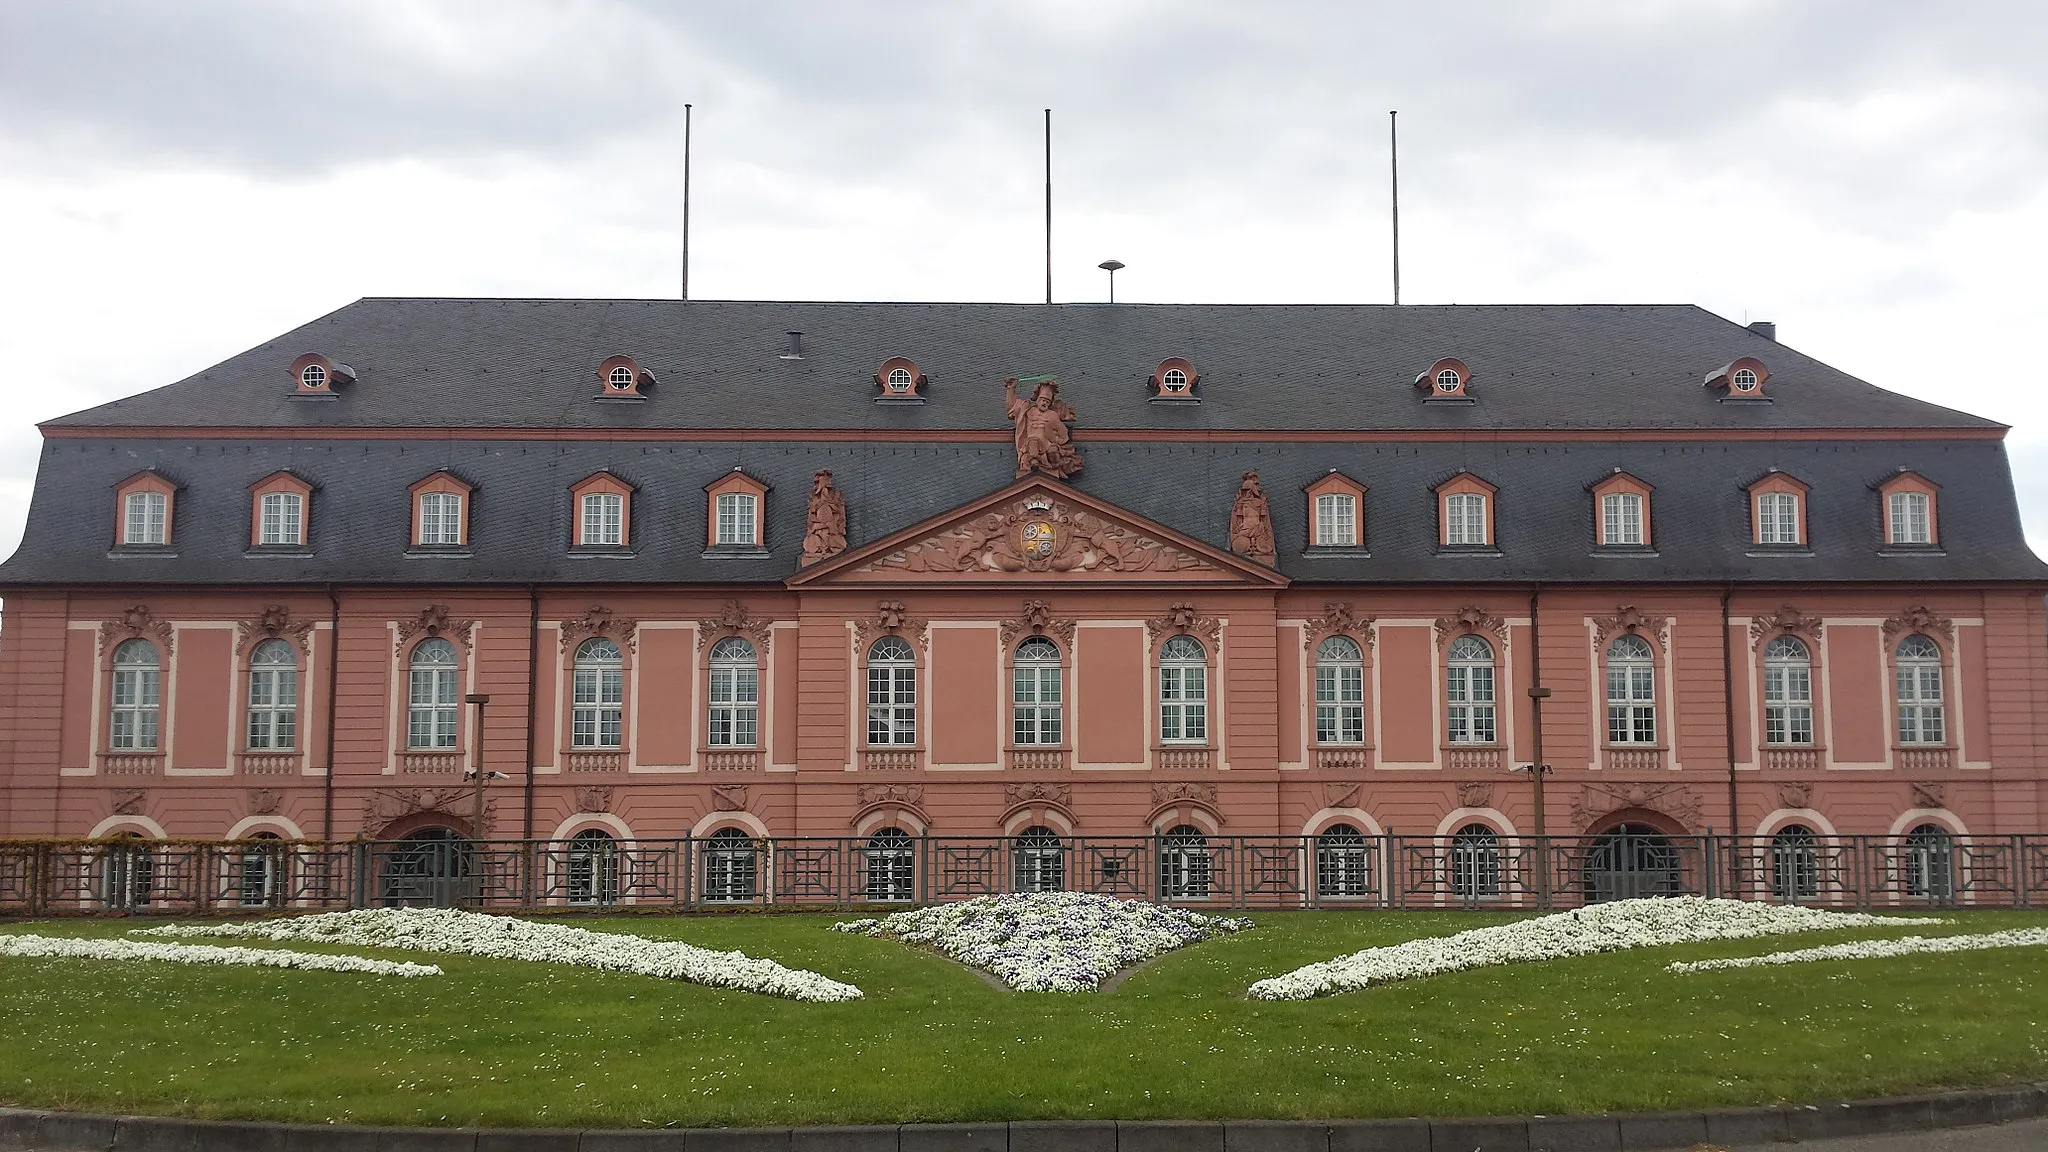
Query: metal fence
[1345, 870]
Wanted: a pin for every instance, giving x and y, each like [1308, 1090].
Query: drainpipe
[532, 705]
[333, 691]
[1728, 716]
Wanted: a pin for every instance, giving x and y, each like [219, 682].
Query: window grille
[1777, 518]
[604, 519]
[1788, 692]
[1468, 692]
[147, 516]
[1917, 674]
[138, 697]
[432, 700]
[598, 691]
[735, 695]
[1336, 520]
[1035, 693]
[1465, 519]
[282, 518]
[1621, 519]
[892, 692]
[736, 518]
[1909, 519]
[273, 697]
[1631, 692]
[1340, 692]
[1183, 692]
[440, 518]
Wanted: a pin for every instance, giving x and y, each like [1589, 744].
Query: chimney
[1767, 329]
[795, 350]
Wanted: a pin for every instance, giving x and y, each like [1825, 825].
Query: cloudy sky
[181, 181]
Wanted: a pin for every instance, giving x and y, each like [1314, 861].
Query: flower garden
[1006, 1008]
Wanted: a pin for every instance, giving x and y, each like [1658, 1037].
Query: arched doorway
[1631, 860]
[429, 867]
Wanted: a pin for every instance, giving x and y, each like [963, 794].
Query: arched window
[899, 379]
[127, 871]
[1631, 692]
[1184, 864]
[1930, 863]
[892, 867]
[1744, 380]
[620, 377]
[1343, 864]
[1918, 675]
[1447, 380]
[735, 695]
[138, 696]
[273, 697]
[1039, 860]
[599, 695]
[281, 518]
[1035, 692]
[1475, 862]
[314, 376]
[1468, 691]
[1183, 691]
[593, 868]
[431, 713]
[1340, 691]
[1788, 692]
[1173, 380]
[260, 870]
[729, 865]
[892, 692]
[1795, 864]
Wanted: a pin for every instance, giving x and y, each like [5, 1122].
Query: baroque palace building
[789, 569]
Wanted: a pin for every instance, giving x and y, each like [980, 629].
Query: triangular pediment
[1037, 529]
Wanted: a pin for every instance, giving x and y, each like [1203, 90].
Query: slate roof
[520, 520]
[532, 363]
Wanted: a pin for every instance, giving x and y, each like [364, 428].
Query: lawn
[508, 1043]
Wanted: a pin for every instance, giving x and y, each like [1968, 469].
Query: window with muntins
[1468, 691]
[604, 519]
[1795, 864]
[593, 868]
[1788, 692]
[137, 697]
[1917, 671]
[1343, 863]
[273, 697]
[440, 518]
[891, 860]
[1621, 519]
[620, 377]
[892, 692]
[1909, 519]
[730, 866]
[1035, 693]
[1337, 520]
[1777, 518]
[1475, 862]
[1038, 860]
[1465, 519]
[1184, 864]
[1631, 692]
[432, 702]
[598, 691]
[282, 518]
[146, 518]
[1929, 862]
[1183, 692]
[1340, 691]
[735, 695]
[736, 518]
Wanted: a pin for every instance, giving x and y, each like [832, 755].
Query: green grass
[507, 1043]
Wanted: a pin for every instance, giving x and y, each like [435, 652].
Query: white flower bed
[504, 938]
[1048, 941]
[1623, 924]
[66, 948]
[1876, 949]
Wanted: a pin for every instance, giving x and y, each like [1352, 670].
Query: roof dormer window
[1741, 380]
[1744, 380]
[1174, 379]
[313, 378]
[316, 376]
[900, 381]
[623, 379]
[1447, 379]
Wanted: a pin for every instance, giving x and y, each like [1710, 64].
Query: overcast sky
[179, 182]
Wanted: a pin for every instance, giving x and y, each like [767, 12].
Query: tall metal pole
[476, 761]
[1537, 694]
[1048, 205]
[1394, 160]
[686, 201]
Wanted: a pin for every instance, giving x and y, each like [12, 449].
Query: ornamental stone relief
[433, 620]
[1044, 422]
[891, 618]
[1037, 620]
[1183, 619]
[137, 622]
[1674, 800]
[1251, 523]
[824, 520]
[1918, 619]
[733, 620]
[728, 797]
[265, 801]
[1629, 619]
[1040, 534]
[130, 802]
[1787, 620]
[1341, 794]
[1471, 618]
[1337, 619]
[386, 805]
[1474, 794]
[594, 800]
[275, 622]
[599, 621]
[1930, 795]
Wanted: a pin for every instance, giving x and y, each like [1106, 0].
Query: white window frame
[1336, 520]
[603, 520]
[441, 519]
[1621, 519]
[145, 518]
[734, 696]
[1744, 380]
[314, 376]
[1448, 380]
[1465, 519]
[597, 716]
[433, 700]
[1911, 519]
[136, 721]
[736, 514]
[281, 518]
[1037, 701]
[620, 378]
[1173, 380]
[1340, 692]
[1917, 686]
[900, 379]
[1788, 692]
[1470, 692]
[1631, 692]
[1183, 692]
[273, 709]
[1777, 518]
[892, 693]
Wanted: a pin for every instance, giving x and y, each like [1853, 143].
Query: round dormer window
[1173, 380]
[1448, 381]
[1744, 380]
[313, 377]
[899, 379]
[620, 378]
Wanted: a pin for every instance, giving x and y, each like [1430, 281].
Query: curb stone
[36, 1130]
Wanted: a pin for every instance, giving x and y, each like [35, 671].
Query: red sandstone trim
[993, 435]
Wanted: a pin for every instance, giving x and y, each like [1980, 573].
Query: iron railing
[183, 877]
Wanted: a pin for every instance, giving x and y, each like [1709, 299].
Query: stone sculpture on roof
[1044, 443]
[825, 520]
[1251, 522]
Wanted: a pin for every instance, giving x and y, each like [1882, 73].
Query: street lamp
[1111, 266]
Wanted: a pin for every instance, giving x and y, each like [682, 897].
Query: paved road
[2025, 1136]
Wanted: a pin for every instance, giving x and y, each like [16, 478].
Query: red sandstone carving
[1341, 795]
[824, 520]
[1037, 620]
[1251, 522]
[1674, 800]
[904, 797]
[729, 797]
[1795, 795]
[433, 621]
[1183, 619]
[734, 620]
[1044, 443]
[1787, 621]
[599, 621]
[1918, 619]
[275, 622]
[1930, 795]
[1629, 619]
[1039, 534]
[265, 801]
[1337, 619]
[1474, 794]
[891, 617]
[1471, 619]
[136, 622]
[130, 802]
[594, 799]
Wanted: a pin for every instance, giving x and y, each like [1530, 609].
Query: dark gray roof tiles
[481, 364]
[360, 515]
